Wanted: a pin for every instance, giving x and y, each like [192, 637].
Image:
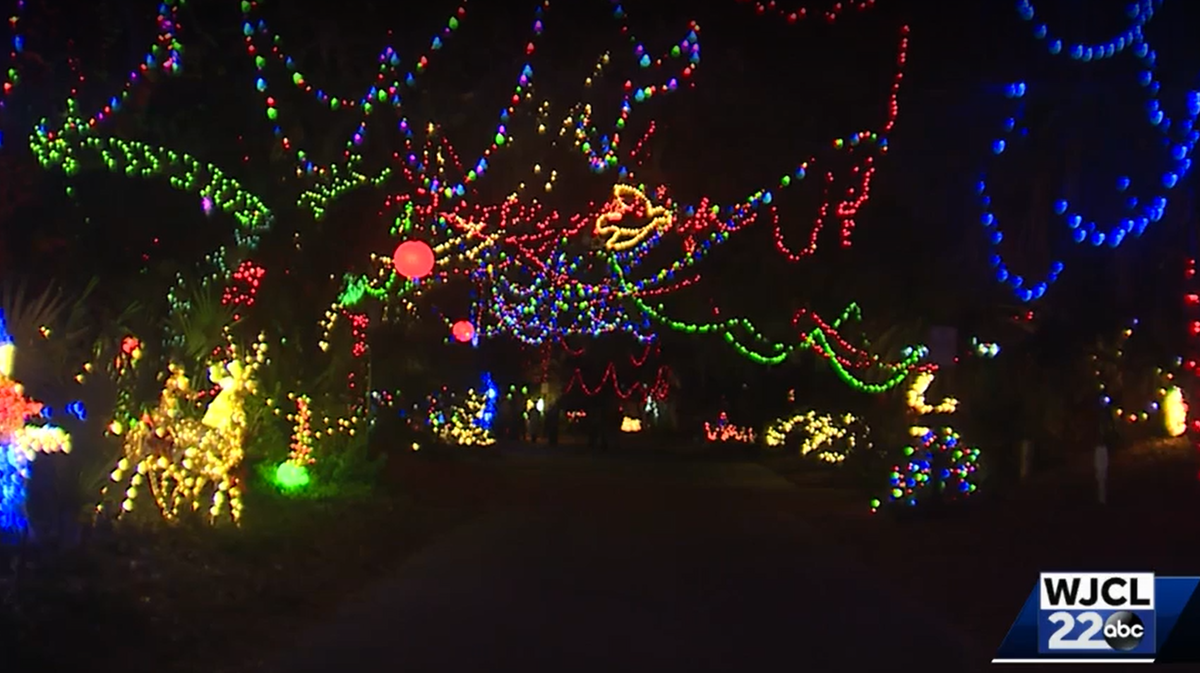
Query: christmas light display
[1178, 136]
[830, 438]
[937, 460]
[526, 288]
[188, 463]
[75, 145]
[20, 440]
[723, 431]
[835, 10]
[631, 425]
[508, 250]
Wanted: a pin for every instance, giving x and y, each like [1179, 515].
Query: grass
[977, 563]
[177, 599]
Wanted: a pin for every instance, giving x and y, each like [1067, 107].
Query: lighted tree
[469, 423]
[937, 465]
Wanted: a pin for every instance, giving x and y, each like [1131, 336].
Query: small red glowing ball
[463, 331]
[413, 259]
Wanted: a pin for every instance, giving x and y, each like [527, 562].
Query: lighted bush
[317, 453]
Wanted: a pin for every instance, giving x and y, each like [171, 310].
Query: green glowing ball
[290, 476]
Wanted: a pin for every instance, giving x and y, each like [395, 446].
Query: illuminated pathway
[622, 564]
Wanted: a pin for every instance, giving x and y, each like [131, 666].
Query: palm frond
[26, 314]
[198, 326]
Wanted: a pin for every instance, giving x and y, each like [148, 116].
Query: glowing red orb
[463, 331]
[413, 259]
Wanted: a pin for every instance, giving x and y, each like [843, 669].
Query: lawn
[977, 564]
[178, 600]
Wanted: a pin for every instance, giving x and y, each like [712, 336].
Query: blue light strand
[14, 473]
[1141, 212]
[1139, 14]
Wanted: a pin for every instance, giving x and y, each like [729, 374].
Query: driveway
[627, 564]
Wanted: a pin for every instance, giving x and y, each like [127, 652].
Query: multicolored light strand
[1139, 14]
[838, 9]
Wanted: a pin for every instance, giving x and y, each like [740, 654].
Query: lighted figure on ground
[187, 464]
[1175, 412]
[292, 474]
[469, 423]
[724, 431]
[937, 464]
[828, 437]
[20, 441]
[631, 424]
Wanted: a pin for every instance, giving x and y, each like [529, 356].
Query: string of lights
[837, 9]
[335, 179]
[666, 216]
[10, 75]
[818, 340]
[1139, 14]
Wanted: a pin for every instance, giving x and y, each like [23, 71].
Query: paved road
[589, 564]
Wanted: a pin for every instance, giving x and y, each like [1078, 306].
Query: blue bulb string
[1139, 14]
[1142, 211]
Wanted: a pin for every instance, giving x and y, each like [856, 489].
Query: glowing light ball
[413, 259]
[463, 331]
[291, 477]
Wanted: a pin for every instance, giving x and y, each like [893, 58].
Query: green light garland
[778, 352]
[68, 148]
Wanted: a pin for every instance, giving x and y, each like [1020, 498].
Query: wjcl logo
[1097, 613]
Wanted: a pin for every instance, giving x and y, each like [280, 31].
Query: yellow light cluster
[462, 427]
[1175, 412]
[916, 397]
[820, 433]
[631, 424]
[34, 439]
[317, 428]
[187, 463]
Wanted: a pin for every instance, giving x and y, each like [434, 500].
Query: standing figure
[535, 422]
[1108, 442]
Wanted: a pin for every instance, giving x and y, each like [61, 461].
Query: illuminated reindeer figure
[188, 463]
